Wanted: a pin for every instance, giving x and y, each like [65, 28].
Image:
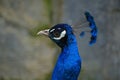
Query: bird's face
[58, 33]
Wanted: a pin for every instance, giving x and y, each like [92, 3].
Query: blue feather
[93, 27]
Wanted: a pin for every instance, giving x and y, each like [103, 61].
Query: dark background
[25, 56]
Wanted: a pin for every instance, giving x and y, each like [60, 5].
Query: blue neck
[69, 63]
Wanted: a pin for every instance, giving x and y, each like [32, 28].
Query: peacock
[68, 65]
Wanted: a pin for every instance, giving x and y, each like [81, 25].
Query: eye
[56, 33]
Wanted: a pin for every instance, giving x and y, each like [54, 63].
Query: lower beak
[44, 32]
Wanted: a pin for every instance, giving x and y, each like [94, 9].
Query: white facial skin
[63, 33]
[52, 30]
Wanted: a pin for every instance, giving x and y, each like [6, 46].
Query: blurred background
[25, 56]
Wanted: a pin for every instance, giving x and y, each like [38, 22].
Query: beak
[44, 32]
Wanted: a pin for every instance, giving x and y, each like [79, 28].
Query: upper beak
[44, 32]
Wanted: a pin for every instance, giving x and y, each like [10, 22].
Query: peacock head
[58, 33]
[62, 34]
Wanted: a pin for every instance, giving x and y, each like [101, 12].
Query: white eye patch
[63, 33]
[52, 30]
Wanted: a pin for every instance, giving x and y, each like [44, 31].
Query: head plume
[90, 24]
